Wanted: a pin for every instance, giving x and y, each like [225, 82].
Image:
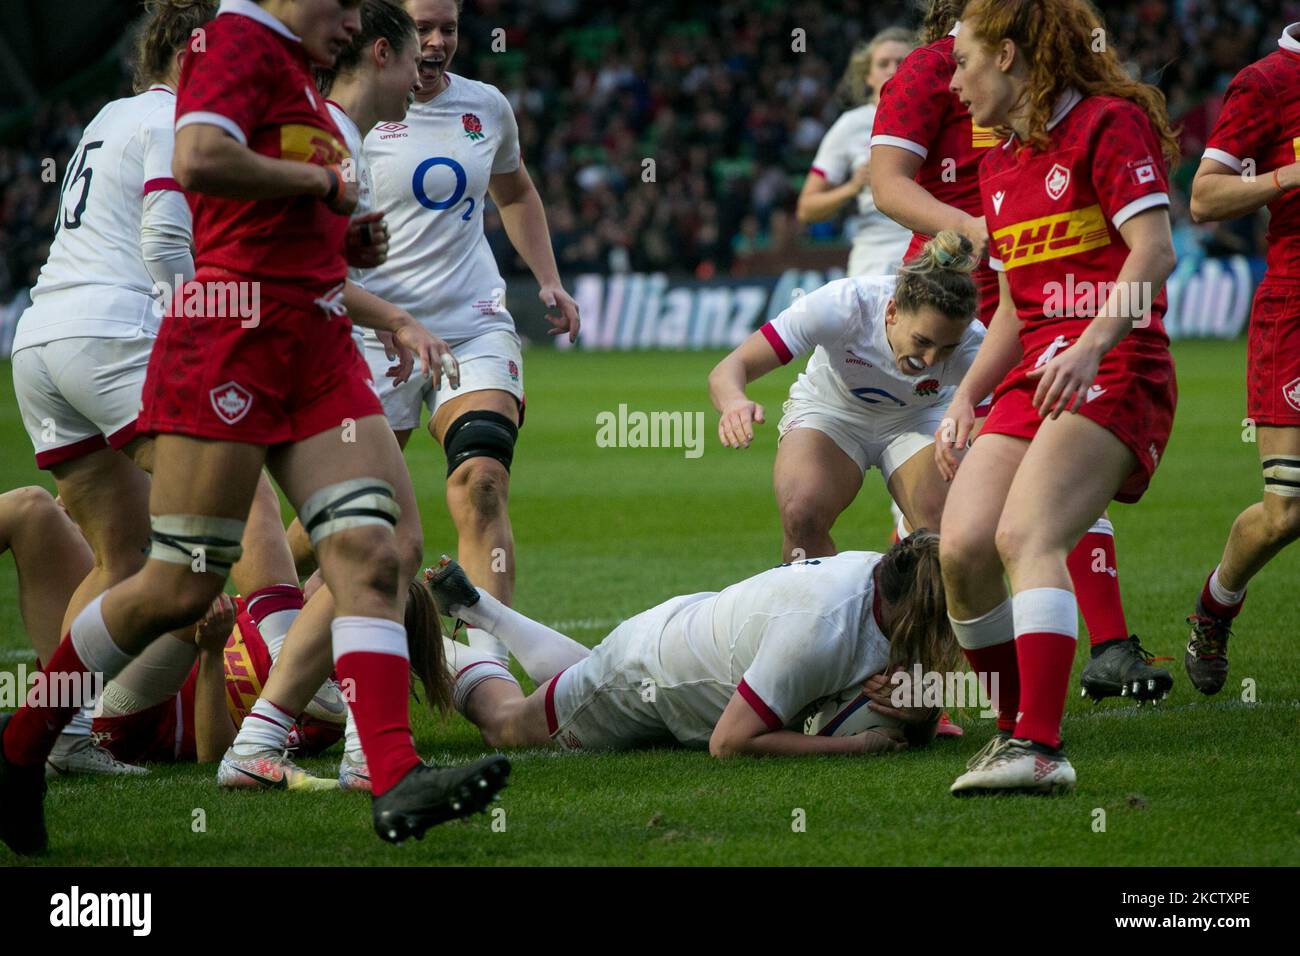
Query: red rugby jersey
[919, 113]
[253, 80]
[1054, 215]
[1260, 122]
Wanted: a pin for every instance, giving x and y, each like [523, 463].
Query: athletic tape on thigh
[185, 539]
[1282, 476]
[349, 504]
[480, 433]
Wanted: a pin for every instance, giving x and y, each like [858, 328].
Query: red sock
[999, 659]
[370, 653]
[1214, 607]
[1094, 573]
[1047, 620]
[32, 731]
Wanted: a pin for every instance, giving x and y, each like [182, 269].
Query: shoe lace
[1146, 656]
[1209, 635]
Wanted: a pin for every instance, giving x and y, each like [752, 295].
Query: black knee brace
[480, 433]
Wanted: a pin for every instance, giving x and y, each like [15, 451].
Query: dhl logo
[1295, 145]
[1051, 237]
[242, 686]
[982, 137]
[310, 144]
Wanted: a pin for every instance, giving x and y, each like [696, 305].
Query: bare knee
[1283, 519]
[176, 596]
[362, 563]
[484, 487]
[803, 519]
[965, 554]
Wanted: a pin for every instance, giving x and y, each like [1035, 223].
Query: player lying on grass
[182, 699]
[735, 671]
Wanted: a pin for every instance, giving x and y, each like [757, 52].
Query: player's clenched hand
[976, 230]
[1064, 382]
[880, 689]
[434, 354]
[215, 627]
[736, 429]
[561, 311]
[338, 190]
[882, 740]
[953, 436]
[367, 241]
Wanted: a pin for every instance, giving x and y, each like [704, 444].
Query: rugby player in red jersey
[1252, 159]
[925, 156]
[1076, 204]
[262, 163]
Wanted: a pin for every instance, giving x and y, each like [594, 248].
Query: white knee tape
[209, 544]
[1282, 476]
[349, 504]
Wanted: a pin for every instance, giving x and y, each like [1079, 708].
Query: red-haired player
[1258, 131]
[1085, 383]
[261, 159]
[925, 156]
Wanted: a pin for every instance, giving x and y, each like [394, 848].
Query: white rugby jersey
[785, 638]
[845, 147]
[430, 176]
[843, 325]
[361, 169]
[95, 282]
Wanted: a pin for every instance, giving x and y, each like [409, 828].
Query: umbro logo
[390, 127]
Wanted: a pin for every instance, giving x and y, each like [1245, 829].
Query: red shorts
[1273, 364]
[1135, 402]
[294, 372]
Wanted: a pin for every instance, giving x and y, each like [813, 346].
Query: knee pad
[480, 433]
[1282, 476]
[211, 543]
[349, 504]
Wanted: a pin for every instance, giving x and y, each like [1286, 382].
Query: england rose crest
[928, 387]
[473, 127]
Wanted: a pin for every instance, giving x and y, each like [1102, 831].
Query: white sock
[995, 627]
[273, 610]
[471, 667]
[542, 651]
[352, 739]
[1222, 594]
[1046, 610]
[265, 728]
[95, 647]
[481, 640]
[79, 727]
[900, 522]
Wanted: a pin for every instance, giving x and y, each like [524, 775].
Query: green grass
[603, 533]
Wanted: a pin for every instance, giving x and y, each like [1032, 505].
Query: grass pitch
[605, 532]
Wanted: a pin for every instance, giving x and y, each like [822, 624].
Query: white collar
[161, 88]
[955, 27]
[247, 8]
[1067, 101]
[1290, 38]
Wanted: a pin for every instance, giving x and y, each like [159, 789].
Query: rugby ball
[846, 713]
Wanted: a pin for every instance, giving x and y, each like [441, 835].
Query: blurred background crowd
[719, 98]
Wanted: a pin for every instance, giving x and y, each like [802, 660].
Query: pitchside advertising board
[1208, 298]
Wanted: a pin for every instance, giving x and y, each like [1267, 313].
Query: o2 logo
[457, 194]
[868, 395]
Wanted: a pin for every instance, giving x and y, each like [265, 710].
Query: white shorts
[881, 439]
[489, 361]
[79, 395]
[605, 701]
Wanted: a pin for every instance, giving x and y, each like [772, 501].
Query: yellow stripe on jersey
[1051, 237]
[1295, 144]
[311, 144]
[242, 684]
[982, 137]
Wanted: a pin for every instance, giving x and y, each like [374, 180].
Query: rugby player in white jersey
[432, 175]
[841, 169]
[123, 235]
[736, 671]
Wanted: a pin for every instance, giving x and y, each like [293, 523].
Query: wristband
[336, 181]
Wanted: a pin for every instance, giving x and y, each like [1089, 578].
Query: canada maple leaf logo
[231, 402]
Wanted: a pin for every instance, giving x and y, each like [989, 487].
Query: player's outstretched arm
[741, 730]
[1219, 192]
[209, 160]
[819, 200]
[214, 731]
[753, 359]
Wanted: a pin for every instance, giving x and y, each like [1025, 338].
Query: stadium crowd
[731, 125]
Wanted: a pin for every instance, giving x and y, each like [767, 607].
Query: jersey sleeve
[799, 660]
[1247, 122]
[507, 158]
[964, 356]
[833, 161]
[819, 318]
[1128, 170]
[225, 86]
[913, 103]
[159, 140]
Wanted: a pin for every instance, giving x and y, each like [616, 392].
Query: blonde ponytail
[939, 276]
